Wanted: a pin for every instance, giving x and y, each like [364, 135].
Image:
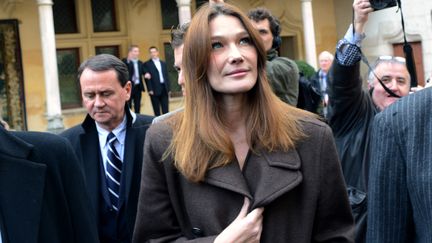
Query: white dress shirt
[136, 71]
[158, 65]
[120, 133]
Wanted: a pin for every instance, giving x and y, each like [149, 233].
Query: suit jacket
[85, 140]
[302, 192]
[131, 71]
[42, 191]
[400, 177]
[153, 84]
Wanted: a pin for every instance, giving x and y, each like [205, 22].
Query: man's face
[104, 97]
[263, 28]
[325, 63]
[134, 53]
[178, 55]
[154, 53]
[396, 77]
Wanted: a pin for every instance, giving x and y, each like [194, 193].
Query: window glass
[200, 2]
[113, 50]
[169, 13]
[172, 73]
[104, 18]
[65, 20]
[68, 63]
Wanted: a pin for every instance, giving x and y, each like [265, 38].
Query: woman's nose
[235, 56]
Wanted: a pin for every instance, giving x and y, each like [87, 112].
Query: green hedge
[307, 70]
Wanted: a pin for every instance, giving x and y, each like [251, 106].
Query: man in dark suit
[135, 68]
[109, 143]
[158, 83]
[400, 176]
[42, 191]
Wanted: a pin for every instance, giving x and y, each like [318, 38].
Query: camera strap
[409, 56]
[365, 61]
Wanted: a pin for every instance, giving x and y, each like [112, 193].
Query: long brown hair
[200, 137]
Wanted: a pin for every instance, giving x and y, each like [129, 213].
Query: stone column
[309, 33]
[184, 11]
[53, 105]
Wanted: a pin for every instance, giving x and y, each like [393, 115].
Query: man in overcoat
[109, 144]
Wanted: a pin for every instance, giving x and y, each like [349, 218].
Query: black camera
[382, 4]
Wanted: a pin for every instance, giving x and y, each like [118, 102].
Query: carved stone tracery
[8, 6]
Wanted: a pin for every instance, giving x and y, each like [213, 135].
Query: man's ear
[128, 88]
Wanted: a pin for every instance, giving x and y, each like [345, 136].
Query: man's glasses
[390, 59]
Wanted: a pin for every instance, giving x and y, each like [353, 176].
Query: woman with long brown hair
[238, 164]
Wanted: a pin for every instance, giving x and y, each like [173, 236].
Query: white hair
[325, 55]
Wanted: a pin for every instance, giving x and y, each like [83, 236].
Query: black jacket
[154, 83]
[131, 70]
[42, 191]
[350, 115]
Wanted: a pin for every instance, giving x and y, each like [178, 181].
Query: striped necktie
[113, 171]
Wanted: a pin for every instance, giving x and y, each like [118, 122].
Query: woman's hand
[247, 227]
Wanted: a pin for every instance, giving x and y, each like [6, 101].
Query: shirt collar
[119, 132]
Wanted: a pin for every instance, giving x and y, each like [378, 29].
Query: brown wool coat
[302, 191]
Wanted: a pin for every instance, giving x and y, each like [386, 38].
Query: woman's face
[233, 60]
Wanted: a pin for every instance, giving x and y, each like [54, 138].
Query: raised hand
[362, 8]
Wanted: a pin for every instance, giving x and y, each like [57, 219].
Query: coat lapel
[21, 189]
[228, 177]
[270, 175]
[128, 164]
[265, 177]
[92, 165]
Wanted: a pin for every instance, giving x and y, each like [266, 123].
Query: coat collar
[21, 203]
[13, 146]
[265, 176]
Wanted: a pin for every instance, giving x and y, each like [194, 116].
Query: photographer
[352, 109]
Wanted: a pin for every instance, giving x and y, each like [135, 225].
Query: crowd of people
[238, 162]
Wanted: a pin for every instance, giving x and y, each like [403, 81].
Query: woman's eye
[245, 41]
[216, 45]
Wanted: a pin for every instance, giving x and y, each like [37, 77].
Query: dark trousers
[160, 101]
[135, 98]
